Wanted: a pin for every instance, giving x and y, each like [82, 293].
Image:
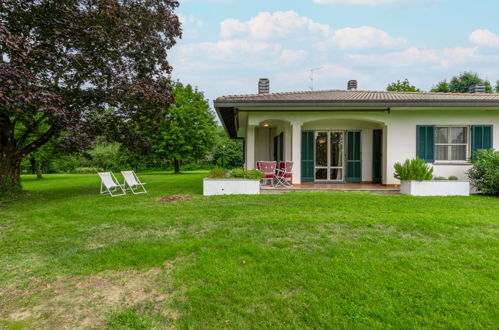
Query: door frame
[377, 175]
[329, 167]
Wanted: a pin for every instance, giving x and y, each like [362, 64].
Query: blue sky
[228, 44]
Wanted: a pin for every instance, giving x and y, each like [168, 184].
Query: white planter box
[435, 188]
[230, 187]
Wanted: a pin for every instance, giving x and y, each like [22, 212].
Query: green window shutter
[425, 143]
[481, 137]
[354, 161]
[307, 156]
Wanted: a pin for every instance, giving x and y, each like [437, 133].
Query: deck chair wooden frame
[132, 183]
[110, 185]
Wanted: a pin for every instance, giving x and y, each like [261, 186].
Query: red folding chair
[268, 168]
[284, 174]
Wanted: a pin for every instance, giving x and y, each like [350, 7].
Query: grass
[297, 260]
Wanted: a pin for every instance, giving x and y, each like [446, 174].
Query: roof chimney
[478, 88]
[263, 86]
[352, 85]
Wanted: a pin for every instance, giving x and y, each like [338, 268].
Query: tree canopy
[61, 61]
[186, 131]
[228, 152]
[462, 84]
[402, 86]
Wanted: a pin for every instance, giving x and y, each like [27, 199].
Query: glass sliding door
[329, 160]
[321, 155]
[336, 156]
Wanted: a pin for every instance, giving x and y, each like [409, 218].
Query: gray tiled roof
[358, 96]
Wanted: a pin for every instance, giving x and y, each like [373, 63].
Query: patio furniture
[284, 174]
[109, 185]
[133, 182]
[268, 168]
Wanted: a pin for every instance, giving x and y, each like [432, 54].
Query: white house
[357, 136]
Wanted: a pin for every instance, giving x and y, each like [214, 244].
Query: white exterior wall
[264, 142]
[399, 133]
[367, 154]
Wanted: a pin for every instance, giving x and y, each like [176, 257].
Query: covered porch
[327, 154]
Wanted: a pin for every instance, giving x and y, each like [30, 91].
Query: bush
[87, 170]
[413, 169]
[484, 175]
[440, 178]
[254, 175]
[453, 178]
[239, 173]
[218, 172]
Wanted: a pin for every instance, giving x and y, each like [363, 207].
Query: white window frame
[467, 144]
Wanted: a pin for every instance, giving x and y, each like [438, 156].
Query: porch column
[296, 152]
[287, 143]
[250, 148]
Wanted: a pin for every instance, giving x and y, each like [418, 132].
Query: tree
[402, 86]
[187, 130]
[61, 61]
[462, 84]
[40, 158]
[105, 155]
[497, 86]
[442, 87]
[228, 152]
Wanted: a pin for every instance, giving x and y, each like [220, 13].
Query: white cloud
[289, 56]
[360, 38]
[371, 2]
[414, 56]
[191, 26]
[242, 51]
[355, 2]
[280, 24]
[289, 25]
[484, 38]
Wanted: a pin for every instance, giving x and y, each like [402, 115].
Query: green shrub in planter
[413, 169]
[218, 172]
[453, 178]
[440, 178]
[254, 175]
[238, 173]
[484, 175]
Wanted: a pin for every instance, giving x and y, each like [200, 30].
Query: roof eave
[352, 104]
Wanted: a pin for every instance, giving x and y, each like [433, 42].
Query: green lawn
[69, 257]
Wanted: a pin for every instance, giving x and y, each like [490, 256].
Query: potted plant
[235, 182]
[416, 178]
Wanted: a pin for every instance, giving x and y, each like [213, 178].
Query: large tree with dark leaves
[63, 60]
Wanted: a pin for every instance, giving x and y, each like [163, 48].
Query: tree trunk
[176, 164]
[10, 173]
[32, 162]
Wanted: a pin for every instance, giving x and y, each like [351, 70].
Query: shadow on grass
[56, 187]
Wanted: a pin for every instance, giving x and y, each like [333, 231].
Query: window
[451, 143]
